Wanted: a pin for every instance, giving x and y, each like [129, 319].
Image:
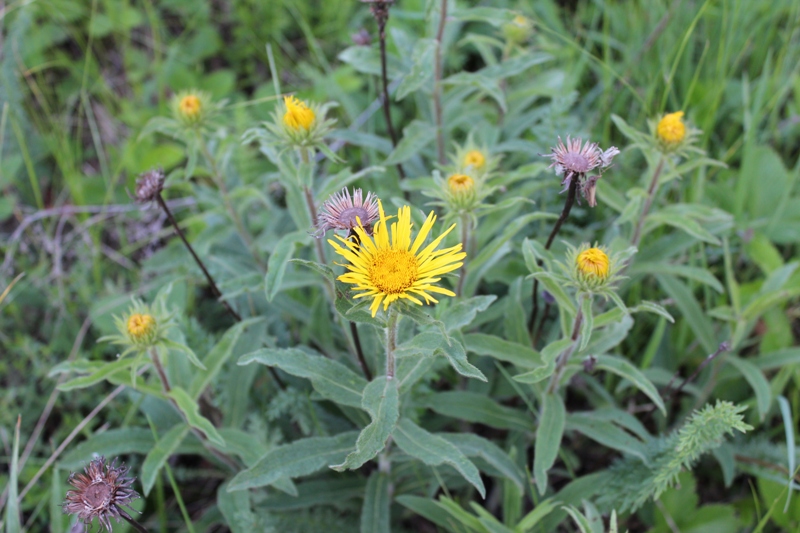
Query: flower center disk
[393, 271]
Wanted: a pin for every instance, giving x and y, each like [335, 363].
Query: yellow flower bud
[460, 184]
[671, 130]
[140, 326]
[474, 159]
[190, 106]
[593, 263]
[298, 115]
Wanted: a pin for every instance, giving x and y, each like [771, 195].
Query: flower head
[575, 159]
[101, 492]
[390, 266]
[474, 159]
[344, 212]
[518, 30]
[149, 185]
[298, 114]
[593, 262]
[671, 130]
[140, 326]
[460, 184]
[191, 107]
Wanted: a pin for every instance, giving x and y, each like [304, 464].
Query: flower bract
[390, 266]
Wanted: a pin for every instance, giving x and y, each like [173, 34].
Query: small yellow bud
[593, 262]
[140, 326]
[474, 159]
[460, 183]
[671, 130]
[298, 115]
[190, 106]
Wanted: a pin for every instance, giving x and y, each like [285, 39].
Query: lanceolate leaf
[433, 450]
[621, 367]
[299, 458]
[479, 447]
[330, 378]
[548, 437]
[278, 261]
[381, 401]
[191, 411]
[474, 407]
[166, 446]
[375, 513]
[757, 381]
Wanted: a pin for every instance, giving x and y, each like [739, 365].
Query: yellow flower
[298, 115]
[140, 325]
[593, 263]
[460, 183]
[474, 159]
[190, 106]
[671, 130]
[521, 20]
[388, 266]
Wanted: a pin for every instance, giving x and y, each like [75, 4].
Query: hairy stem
[391, 341]
[572, 192]
[381, 13]
[237, 220]
[563, 358]
[360, 351]
[437, 89]
[651, 191]
[214, 289]
[462, 274]
[134, 524]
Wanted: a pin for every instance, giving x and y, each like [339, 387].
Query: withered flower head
[100, 492]
[575, 159]
[343, 212]
[149, 185]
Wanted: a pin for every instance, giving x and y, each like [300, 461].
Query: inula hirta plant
[103, 491]
[345, 212]
[389, 266]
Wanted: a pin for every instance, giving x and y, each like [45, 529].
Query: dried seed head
[100, 492]
[575, 159]
[149, 185]
[344, 212]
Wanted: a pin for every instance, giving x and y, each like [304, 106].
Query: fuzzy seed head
[149, 185]
[345, 212]
[100, 492]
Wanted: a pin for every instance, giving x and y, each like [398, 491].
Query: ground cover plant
[431, 266]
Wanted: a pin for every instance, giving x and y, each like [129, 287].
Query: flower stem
[136, 525]
[214, 289]
[237, 221]
[465, 240]
[637, 232]
[437, 87]
[561, 363]
[572, 192]
[380, 11]
[391, 341]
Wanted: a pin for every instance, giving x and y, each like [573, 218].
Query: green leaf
[330, 378]
[326, 491]
[455, 354]
[279, 260]
[475, 407]
[416, 136]
[352, 309]
[549, 355]
[652, 307]
[554, 286]
[324, 270]
[422, 61]
[191, 411]
[548, 438]
[691, 310]
[382, 401]
[431, 343]
[694, 273]
[606, 434]
[484, 449]
[12, 515]
[452, 520]
[587, 323]
[757, 381]
[101, 371]
[433, 451]
[489, 345]
[110, 443]
[679, 219]
[235, 507]
[480, 82]
[218, 356]
[530, 520]
[185, 350]
[158, 455]
[375, 514]
[295, 459]
[463, 313]
[625, 369]
[415, 313]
